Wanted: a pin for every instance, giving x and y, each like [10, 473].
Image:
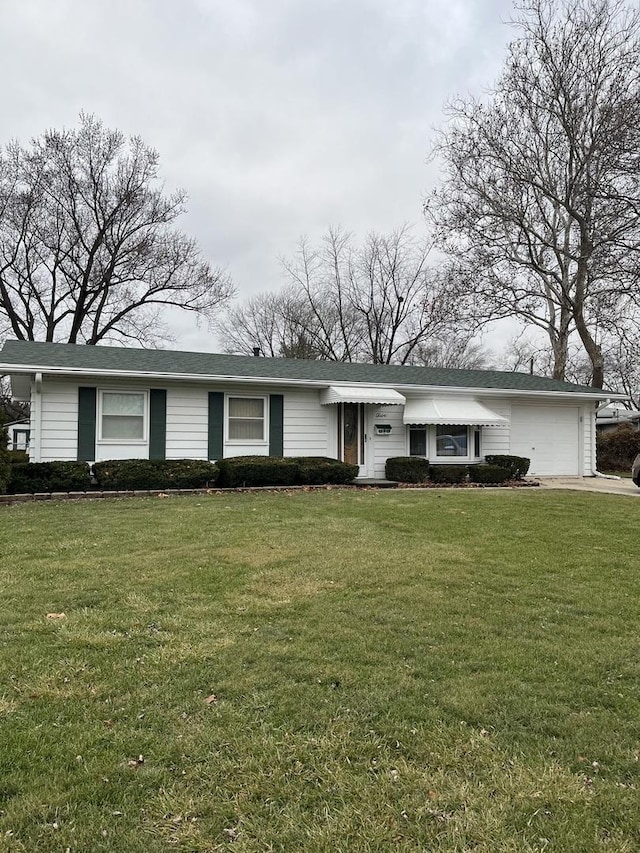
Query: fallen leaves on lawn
[56, 615]
[211, 700]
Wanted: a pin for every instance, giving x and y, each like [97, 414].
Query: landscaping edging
[168, 493]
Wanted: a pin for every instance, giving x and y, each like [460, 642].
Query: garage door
[549, 436]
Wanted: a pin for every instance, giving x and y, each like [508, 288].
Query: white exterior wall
[187, 422]
[386, 446]
[496, 439]
[310, 429]
[589, 462]
[58, 439]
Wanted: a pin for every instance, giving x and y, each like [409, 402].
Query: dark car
[635, 470]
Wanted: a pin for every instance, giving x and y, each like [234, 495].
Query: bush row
[130, 474]
[289, 471]
[617, 449]
[414, 469]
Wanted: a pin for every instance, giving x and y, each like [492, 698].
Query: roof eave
[7, 369]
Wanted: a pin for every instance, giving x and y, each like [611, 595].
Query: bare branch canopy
[89, 249]
[540, 202]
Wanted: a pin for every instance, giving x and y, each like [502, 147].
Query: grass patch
[391, 671]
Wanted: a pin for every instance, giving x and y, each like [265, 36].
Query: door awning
[360, 394]
[443, 410]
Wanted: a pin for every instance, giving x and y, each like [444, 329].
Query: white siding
[58, 438]
[496, 439]
[589, 461]
[565, 431]
[187, 422]
[386, 446]
[307, 424]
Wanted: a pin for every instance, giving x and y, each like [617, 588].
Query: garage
[549, 436]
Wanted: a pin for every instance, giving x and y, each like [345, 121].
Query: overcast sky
[279, 117]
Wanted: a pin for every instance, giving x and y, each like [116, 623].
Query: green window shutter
[157, 423]
[276, 425]
[216, 424]
[86, 424]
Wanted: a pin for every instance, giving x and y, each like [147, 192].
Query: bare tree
[274, 323]
[457, 349]
[531, 354]
[621, 347]
[376, 302]
[89, 251]
[541, 196]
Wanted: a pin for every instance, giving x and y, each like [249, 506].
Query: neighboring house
[610, 417]
[18, 432]
[92, 403]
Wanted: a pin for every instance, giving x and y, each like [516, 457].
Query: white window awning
[360, 394]
[444, 410]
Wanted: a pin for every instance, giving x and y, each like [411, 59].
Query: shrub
[489, 474]
[126, 474]
[16, 456]
[407, 469]
[258, 471]
[617, 450]
[448, 473]
[284, 471]
[321, 470]
[516, 465]
[4, 460]
[32, 477]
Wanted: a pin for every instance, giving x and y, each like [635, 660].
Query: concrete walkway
[624, 486]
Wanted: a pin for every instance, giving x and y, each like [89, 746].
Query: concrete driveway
[624, 486]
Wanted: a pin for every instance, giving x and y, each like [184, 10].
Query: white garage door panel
[549, 436]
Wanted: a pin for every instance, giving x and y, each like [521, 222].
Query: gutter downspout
[37, 419]
[594, 432]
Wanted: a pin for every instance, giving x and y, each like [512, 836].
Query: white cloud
[279, 118]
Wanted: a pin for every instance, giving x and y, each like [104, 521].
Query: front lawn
[321, 671]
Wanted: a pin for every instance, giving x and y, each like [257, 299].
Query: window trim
[431, 444]
[236, 442]
[145, 417]
[15, 439]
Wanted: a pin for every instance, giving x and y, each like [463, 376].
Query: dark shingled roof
[43, 356]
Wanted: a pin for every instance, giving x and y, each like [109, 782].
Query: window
[21, 439]
[417, 441]
[445, 441]
[122, 416]
[452, 440]
[246, 419]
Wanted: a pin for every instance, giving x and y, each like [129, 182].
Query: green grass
[433, 671]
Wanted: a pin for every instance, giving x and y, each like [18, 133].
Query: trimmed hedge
[407, 469]
[4, 460]
[516, 465]
[17, 456]
[128, 474]
[257, 471]
[617, 449]
[322, 471]
[489, 474]
[284, 471]
[33, 477]
[448, 473]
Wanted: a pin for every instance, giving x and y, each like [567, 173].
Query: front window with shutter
[122, 416]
